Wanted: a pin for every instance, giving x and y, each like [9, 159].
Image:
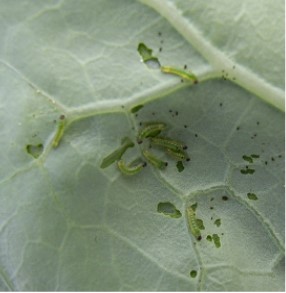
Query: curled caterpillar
[132, 168]
[150, 130]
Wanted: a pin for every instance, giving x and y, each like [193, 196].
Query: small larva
[168, 143]
[177, 155]
[182, 73]
[151, 129]
[193, 223]
[132, 168]
[154, 160]
[126, 143]
[60, 131]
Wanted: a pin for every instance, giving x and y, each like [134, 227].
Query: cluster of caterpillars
[151, 132]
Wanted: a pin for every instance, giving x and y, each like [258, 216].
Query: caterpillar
[177, 155]
[126, 143]
[195, 230]
[154, 160]
[60, 131]
[182, 73]
[151, 129]
[132, 168]
[168, 143]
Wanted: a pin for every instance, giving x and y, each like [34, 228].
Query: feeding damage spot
[217, 222]
[147, 57]
[180, 166]
[216, 240]
[168, 209]
[35, 150]
[252, 196]
[193, 273]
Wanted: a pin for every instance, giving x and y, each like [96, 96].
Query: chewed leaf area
[168, 209]
[147, 56]
[35, 150]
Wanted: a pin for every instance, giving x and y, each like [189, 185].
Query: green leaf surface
[65, 223]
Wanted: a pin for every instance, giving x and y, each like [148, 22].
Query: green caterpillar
[150, 130]
[177, 155]
[154, 160]
[126, 143]
[132, 168]
[193, 223]
[182, 73]
[168, 143]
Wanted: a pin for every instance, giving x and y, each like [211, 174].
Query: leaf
[69, 225]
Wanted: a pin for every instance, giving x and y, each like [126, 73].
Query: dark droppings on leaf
[237, 128]
[168, 209]
[193, 274]
[220, 104]
[224, 197]
[185, 66]
[160, 49]
[265, 162]
[199, 238]
[272, 159]
[211, 208]
[35, 150]
[185, 126]
[196, 135]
